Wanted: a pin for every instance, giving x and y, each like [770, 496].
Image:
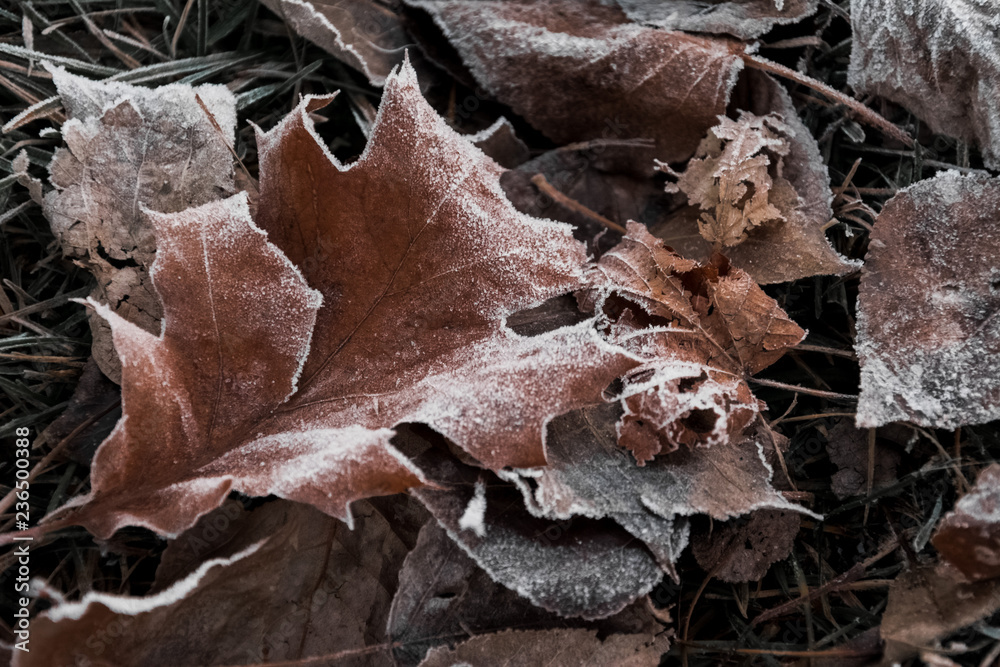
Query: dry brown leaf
[847, 447]
[443, 596]
[745, 19]
[969, 536]
[283, 582]
[500, 142]
[928, 603]
[581, 70]
[129, 149]
[928, 331]
[781, 250]
[744, 549]
[366, 34]
[700, 328]
[271, 393]
[730, 176]
[938, 58]
[554, 648]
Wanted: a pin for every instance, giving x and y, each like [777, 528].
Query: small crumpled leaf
[283, 582]
[699, 328]
[745, 19]
[744, 549]
[416, 284]
[553, 648]
[929, 602]
[938, 58]
[780, 250]
[969, 536]
[928, 324]
[130, 149]
[367, 35]
[579, 69]
[730, 176]
[443, 596]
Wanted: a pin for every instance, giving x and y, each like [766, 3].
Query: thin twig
[543, 185]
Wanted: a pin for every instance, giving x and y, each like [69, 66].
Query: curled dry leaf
[699, 328]
[130, 149]
[744, 549]
[585, 569]
[927, 604]
[367, 35]
[789, 249]
[283, 582]
[730, 176]
[555, 648]
[928, 325]
[745, 19]
[590, 476]
[969, 536]
[938, 58]
[411, 329]
[443, 596]
[580, 70]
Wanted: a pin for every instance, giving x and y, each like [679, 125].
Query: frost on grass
[929, 306]
[130, 149]
[257, 386]
[227, 602]
[620, 79]
[745, 19]
[938, 58]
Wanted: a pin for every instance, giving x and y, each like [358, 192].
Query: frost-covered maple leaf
[254, 386]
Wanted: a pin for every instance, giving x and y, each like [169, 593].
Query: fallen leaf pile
[459, 401]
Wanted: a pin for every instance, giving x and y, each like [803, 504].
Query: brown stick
[539, 182]
[864, 113]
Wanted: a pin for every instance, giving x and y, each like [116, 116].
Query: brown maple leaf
[938, 58]
[581, 70]
[426, 260]
[928, 325]
[130, 149]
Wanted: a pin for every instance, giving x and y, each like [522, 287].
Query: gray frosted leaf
[938, 58]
